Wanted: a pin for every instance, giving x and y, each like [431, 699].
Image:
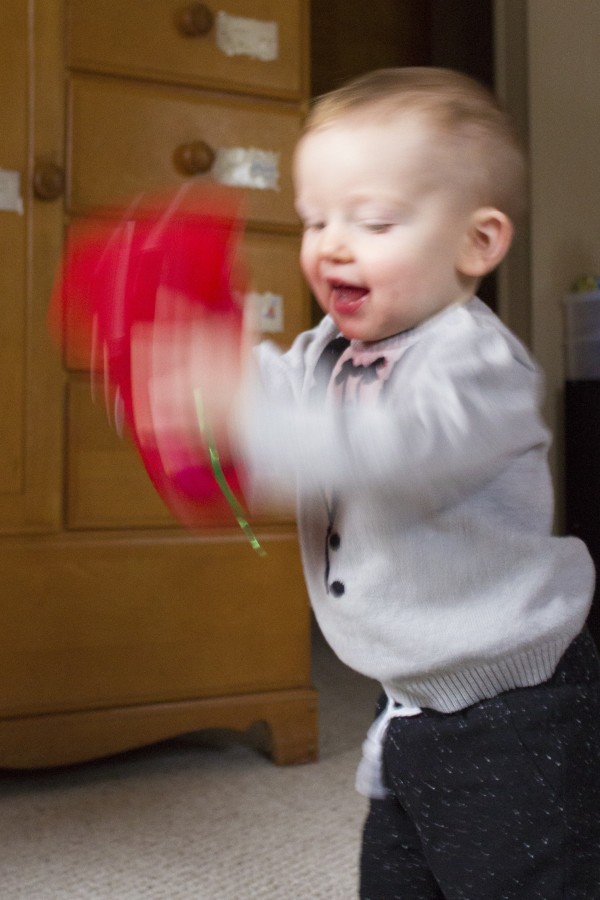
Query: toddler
[407, 423]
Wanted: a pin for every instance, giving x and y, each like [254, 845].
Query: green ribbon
[217, 469]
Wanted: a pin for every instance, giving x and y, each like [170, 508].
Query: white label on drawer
[10, 191]
[266, 311]
[238, 36]
[247, 167]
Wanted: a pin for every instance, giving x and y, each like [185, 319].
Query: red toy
[144, 298]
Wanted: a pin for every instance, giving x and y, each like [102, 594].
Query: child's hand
[192, 382]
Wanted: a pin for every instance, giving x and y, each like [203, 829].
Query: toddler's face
[384, 224]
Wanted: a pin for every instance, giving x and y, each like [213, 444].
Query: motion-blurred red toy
[151, 299]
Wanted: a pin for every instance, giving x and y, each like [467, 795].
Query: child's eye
[313, 225]
[377, 227]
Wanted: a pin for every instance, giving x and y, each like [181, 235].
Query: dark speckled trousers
[500, 801]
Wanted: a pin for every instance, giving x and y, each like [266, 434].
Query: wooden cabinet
[120, 628]
[125, 137]
[245, 46]
[31, 123]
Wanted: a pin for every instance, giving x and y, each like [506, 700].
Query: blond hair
[465, 113]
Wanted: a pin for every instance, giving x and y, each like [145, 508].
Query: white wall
[562, 75]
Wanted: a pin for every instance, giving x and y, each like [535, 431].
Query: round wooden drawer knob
[48, 181]
[194, 20]
[195, 158]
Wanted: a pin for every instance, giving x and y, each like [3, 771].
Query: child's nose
[334, 243]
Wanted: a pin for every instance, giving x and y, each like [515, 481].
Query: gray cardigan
[424, 505]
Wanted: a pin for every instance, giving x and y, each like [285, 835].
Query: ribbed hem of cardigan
[452, 691]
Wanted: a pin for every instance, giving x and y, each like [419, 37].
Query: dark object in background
[582, 475]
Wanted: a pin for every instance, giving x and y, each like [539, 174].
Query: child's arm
[459, 410]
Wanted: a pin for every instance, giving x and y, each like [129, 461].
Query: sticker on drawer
[247, 167]
[266, 311]
[238, 36]
[10, 191]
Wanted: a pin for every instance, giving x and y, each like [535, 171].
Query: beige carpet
[195, 818]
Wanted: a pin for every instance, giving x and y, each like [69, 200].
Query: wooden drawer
[275, 270]
[124, 136]
[107, 485]
[99, 622]
[275, 277]
[253, 46]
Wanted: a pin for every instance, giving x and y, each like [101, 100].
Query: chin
[350, 332]
[357, 334]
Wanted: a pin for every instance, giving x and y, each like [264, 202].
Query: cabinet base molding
[46, 741]
[115, 640]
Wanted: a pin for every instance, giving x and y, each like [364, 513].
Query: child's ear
[486, 243]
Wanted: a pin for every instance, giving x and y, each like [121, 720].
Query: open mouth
[346, 298]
